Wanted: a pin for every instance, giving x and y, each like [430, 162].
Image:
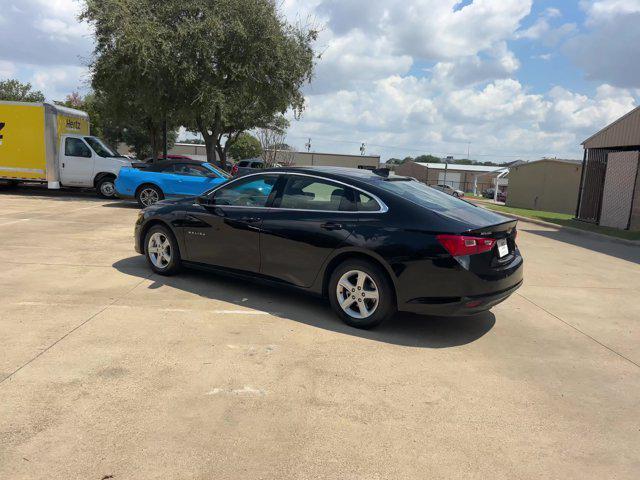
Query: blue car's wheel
[147, 195]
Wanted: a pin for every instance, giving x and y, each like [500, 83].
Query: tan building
[468, 178]
[549, 184]
[610, 187]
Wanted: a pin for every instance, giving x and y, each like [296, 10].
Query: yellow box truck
[42, 142]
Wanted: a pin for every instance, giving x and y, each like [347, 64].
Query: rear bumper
[458, 306]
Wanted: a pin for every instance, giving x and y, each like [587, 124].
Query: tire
[161, 250]
[374, 281]
[455, 194]
[106, 187]
[147, 195]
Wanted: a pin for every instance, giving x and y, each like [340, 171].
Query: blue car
[167, 178]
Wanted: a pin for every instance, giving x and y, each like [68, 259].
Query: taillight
[459, 245]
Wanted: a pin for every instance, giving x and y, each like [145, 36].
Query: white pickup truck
[41, 142]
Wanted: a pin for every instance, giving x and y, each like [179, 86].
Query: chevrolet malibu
[372, 243]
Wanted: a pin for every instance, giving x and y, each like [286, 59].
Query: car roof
[345, 174]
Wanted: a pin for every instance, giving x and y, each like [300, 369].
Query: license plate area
[503, 248]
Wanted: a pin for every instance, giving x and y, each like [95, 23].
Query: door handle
[250, 219]
[331, 226]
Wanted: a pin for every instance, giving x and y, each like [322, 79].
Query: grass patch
[565, 220]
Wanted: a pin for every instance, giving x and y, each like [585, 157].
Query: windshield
[100, 148]
[439, 202]
[217, 170]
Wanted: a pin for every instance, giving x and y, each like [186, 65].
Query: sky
[500, 79]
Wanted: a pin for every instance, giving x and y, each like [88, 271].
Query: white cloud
[608, 49]
[434, 30]
[599, 10]
[543, 30]
[44, 32]
[407, 115]
[354, 58]
[499, 62]
[58, 82]
[7, 69]
[552, 12]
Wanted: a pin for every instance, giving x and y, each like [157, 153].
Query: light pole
[362, 149]
[308, 145]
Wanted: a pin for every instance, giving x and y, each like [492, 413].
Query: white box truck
[41, 142]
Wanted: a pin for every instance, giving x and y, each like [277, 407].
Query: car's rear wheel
[147, 195]
[161, 250]
[361, 294]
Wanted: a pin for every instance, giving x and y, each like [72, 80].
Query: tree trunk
[154, 142]
[210, 146]
[222, 155]
[209, 139]
[164, 137]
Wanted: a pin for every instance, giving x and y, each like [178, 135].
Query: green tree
[246, 146]
[243, 64]
[428, 159]
[135, 66]
[16, 91]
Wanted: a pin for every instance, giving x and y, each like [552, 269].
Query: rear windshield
[440, 202]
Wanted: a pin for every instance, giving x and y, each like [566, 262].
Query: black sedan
[370, 242]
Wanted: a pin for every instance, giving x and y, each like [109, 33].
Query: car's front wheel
[161, 250]
[361, 294]
[147, 195]
[106, 187]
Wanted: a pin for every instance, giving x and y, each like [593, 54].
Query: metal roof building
[548, 184]
[468, 178]
[609, 192]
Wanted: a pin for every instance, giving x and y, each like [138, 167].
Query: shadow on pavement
[66, 195]
[404, 329]
[607, 247]
[41, 190]
[118, 203]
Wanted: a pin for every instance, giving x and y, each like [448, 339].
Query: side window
[191, 170]
[307, 193]
[257, 165]
[168, 168]
[366, 203]
[243, 163]
[74, 147]
[250, 192]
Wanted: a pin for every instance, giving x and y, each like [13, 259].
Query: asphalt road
[107, 370]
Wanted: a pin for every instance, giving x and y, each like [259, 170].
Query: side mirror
[205, 201]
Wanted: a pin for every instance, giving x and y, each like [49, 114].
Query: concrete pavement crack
[578, 330]
[84, 322]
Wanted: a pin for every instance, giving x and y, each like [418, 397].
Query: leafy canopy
[246, 146]
[16, 91]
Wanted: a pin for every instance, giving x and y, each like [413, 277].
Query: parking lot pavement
[106, 369]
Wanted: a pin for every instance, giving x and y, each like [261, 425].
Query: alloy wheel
[149, 196]
[357, 294]
[159, 249]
